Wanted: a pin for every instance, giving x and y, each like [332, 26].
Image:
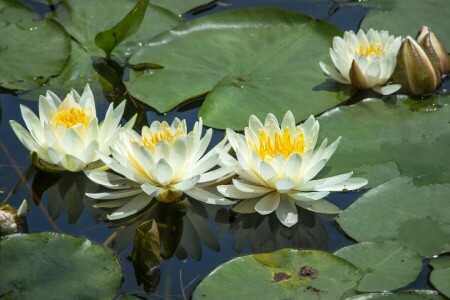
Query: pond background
[70, 213]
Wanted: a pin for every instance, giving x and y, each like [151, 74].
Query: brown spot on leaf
[307, 271]
[280, 276]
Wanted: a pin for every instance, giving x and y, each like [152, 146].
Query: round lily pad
[22, 32]
[399, 210]
[283, 274]
[440, 276]
[51, 265]
[259, 60]
[388, 265]
[381, 140]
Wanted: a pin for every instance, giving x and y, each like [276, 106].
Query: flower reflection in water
[267, 234]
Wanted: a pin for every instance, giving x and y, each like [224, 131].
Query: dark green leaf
[145, 252]
[50, 265]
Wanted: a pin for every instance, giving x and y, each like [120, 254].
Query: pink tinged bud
[414, 70]
[434, 49]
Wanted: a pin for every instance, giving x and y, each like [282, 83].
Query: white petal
[268, 203]
[246, 206]
[208, 197]
[348, 185]
[163, 172]
[307, 196]
[187, 183]
[231, 191]
[324, 183]
[257, 190]
[150, 189]
[116, 194]
[388, 89]
[267, 171]
[287, 212]
[284, 185]
[136, 204]
[110, 180]
[311, 173]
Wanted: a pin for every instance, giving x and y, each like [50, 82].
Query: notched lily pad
[50, 265]
[414, 215]
[283, 274]
[440, 275]
[388, 265]
[248, 58]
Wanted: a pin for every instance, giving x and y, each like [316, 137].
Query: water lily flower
[434, 49]
[67, 134]
[415, 71]
[277, 166]
[366, 61]
[9, 217]
[163, 162]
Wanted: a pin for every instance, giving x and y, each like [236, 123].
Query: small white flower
[277, 165]
[365, 61]
[9, 217]
[164, 162]
[67, 134]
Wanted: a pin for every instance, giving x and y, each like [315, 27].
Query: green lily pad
[51, 265]
[38, 61]
[283, 274]
[406, 17]
[407, 295]
[382, 140]
[251, 59]
[399, 210]
[440, 275]
[84, 19]
[388, 265]
[180, 6]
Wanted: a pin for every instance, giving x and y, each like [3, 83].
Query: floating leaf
[42, 265]
[406, 17]
[283, 274]
[388, 265]
[440, 275]
[109, 39]
[84, 19]
[252, 59]
[382, 140]
[399, 210]
[180, 6]
[21, 34]
[406, 295]
[146, 246]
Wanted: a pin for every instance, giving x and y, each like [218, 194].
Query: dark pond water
[209, 235]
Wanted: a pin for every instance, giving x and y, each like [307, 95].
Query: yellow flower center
[281, 144]
[71, 118]
[376, 49]
[165, 134]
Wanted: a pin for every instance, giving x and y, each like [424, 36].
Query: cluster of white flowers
[274, 167]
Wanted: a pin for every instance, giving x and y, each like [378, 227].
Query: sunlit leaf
[406, 17]
[146, 246]
[22, 32]
[42, 265]
[381, 140]
[440, 275]
[399, 210]
[252, 59]
[84, 19]
[109, 39]
[387, 265]
[283, 274]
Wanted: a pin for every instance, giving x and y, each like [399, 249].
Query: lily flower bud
[434, 49]
[415, 71]
[9, 218]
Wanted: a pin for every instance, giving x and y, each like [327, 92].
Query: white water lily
[163, 163]
[277, 166]
[67, 134]
[365, 61]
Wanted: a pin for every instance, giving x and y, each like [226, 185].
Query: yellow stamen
[71, 118]
[281, 144]
[165, 134]
[376, 49]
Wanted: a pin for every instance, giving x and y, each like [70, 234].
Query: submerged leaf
[145, 254]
